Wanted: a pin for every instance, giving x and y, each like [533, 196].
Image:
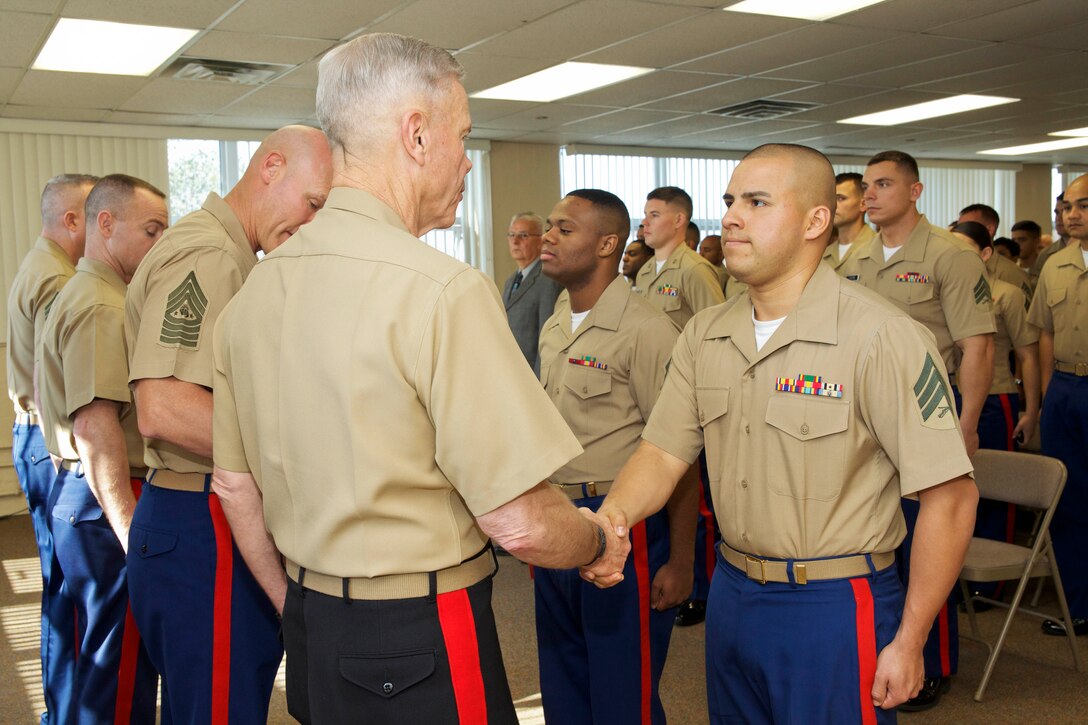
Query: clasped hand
[608, 570]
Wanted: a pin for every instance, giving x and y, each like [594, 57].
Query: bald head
[286, 182]
[813, 177]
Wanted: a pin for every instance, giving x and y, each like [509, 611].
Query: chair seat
[992, 561]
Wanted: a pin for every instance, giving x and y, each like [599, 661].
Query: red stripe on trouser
[708, 523]
[641, 560]
[942, 635]
[866, 637]
[224, 564]
[1010, 425]
[459, 633]
[130, 652]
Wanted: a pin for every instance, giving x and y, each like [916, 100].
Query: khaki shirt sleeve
[906, 401]
[1039, 314]
[183, 300]
[701, 287]
[93, 350]
[652, 348]
[674, 424]
[497, 434]
[227, 446]
[966, 298]
[1021, 334]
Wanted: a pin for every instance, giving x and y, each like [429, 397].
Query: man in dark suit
[528, 296]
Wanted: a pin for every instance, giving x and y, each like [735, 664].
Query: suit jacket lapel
[525, 284]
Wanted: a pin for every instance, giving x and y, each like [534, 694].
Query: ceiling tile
[330, 20]
[9, 81]
[254, 48]
[813, 41]
[494, 134]
[168, 95]
[487, 71]
[281, 101]
[188, 14]
[153, 119]
[828, 93]
[45, 7]
[919, 15]
[305, 76]
[485, 110]
[546, 118]
[688, 125]
[868, 104]
[747, 131]
[1070, 36]
[993, 58]
[650, 87]
[1028, 19]
[54, 113]
[552, 139]
[21, 36]
[618, 121]
[448, 25]
[725, 94]
[584, 27]
[75, 90]
[1031, 78]
[254, 122]
[700, 35]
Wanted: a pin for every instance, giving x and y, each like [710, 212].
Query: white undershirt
[764, 329]
[889, 251]
[1085, 253]
[661, 264]
[576, 319]
[843, 249]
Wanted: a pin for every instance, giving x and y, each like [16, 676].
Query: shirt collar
[362, 202]
[51, 247]
[103, 271]
[529, 268]
[222, 212]
[606, 314]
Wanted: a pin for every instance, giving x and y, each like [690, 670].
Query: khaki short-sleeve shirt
[45, 269]
[1000, 268]
[1047, 252]
[831, 254]
[811, 441]
[935, 279]
[723, 275]
[685, 285]
[174, 298]
[733, 287]
[604, 378]
[371, 386]
[1013, 332]
[83, 357]
[1060, 305]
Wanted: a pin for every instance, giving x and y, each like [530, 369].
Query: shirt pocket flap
[150, 542]
[1055, 296]
[671, 303]
[588, 382]
[713, 404]
[806, 419]
[387, 675]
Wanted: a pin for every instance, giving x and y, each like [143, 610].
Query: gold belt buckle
[748, 562]
[591, 489]
[1081, 370]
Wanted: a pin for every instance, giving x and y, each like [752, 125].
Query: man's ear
[986, 253]
[273, 166]
[916, 190]
[819, 219]
[71, 221]
[414, 135]
[104, 220]
[606, 247]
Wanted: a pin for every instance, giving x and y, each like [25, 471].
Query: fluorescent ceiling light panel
[929, 109]
[1038, 148]
[1071, 132]
[801, 9]
[560, 81]
[94, 46]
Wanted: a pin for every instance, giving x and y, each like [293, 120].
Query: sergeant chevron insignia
[185, 308]
[982, 291]
[934, 401]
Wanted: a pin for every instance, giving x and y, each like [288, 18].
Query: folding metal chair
[1031, 481]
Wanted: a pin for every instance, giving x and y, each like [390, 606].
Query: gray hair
[360, 81]
[536, 219]
[56, 199]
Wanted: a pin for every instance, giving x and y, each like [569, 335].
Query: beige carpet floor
[1034, 681]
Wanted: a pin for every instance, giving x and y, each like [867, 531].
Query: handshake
[606, 569]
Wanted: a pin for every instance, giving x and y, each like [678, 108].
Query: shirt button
[752, 375]
[804, 429]
[33, 459]
[143, 548]
[585, 389]
[71, 519]
[744, 536]
[746, 429]
[387, 687]
[744, 483]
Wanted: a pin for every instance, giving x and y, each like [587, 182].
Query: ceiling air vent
[764, 108]
[227, 71]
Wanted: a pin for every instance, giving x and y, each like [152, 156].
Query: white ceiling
[888, 55]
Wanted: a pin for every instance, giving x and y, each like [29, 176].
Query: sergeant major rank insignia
[934, 401]
[185, 308]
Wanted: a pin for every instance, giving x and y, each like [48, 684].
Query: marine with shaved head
[803, 391]
[209, 628]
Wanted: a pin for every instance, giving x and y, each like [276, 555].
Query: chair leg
[1038, 593]
[969, 603]
[1013, 606]
[1049, 549]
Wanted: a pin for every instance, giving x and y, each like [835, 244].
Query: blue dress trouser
[798, 653]
[602, 651]
[209, 628]
[115, 681]
[58, 638]
[1064, 429]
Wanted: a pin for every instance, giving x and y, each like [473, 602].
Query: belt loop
[346, 584]
[872, 566]
[432, 586]
[790, 563]
[207, 483]
[151, 474]
[301, 582]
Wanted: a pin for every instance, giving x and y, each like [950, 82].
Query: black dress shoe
[691, 612]
[932, 690]
[1057, 629]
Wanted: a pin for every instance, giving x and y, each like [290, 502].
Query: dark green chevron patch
[185, 309]
[982, 291]
[934, 400]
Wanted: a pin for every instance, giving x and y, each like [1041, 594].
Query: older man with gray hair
[370, 471]
[528, 295]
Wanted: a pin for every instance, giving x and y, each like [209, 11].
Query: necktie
[516, 284]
